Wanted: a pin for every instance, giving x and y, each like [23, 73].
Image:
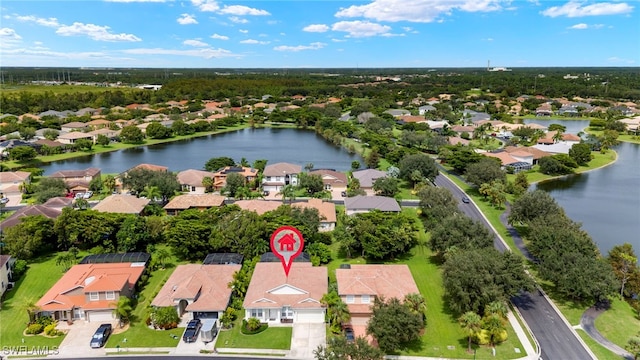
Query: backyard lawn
[619, 323]
[278, 338]
[40, 276]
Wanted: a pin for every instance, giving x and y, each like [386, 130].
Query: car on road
[191, 333]
[465, 199]
[349, 334]
[101, 335]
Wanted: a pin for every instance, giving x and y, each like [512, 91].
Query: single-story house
[367, 177]
[258, 206]
[191, 180]
[558, 148]
[333, 181]
[360, 285]
[74, 126]
[122, 204]
[29, 210]
[90, 291]
[77, 180]
[278, 175]
[274, 298]
[193, 201]
[326, 210]
[72, 137]
[199, 291]
[362, 204]
[12, 182]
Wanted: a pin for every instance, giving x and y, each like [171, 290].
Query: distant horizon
[340, 34]
[317, 68]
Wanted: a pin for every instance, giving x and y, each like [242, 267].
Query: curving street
[556, 338]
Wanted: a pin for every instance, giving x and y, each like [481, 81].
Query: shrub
[165, 317]
[482, 337]
[245, 329]
[19, 268]
[50, 330]
[45, 321]
[34, 328]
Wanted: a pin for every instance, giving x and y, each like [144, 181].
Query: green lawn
[622, 137]
[619, 323]
[278, 338]
[41, 275]
[139, 334]
[598, 350]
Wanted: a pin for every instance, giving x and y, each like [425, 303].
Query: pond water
[606, 201]
[276, 145]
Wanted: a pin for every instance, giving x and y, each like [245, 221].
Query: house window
[350, 299]
[365, 299]
[286, 313]
[111, 295]
[94, 296]
[193, 188]
[256, 313]
[278, 178]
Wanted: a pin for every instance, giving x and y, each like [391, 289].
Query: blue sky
[319, 34]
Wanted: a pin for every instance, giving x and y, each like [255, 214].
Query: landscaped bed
[277, 338]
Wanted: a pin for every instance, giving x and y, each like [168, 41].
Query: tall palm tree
[416, 303]
[496, 308]
[495, 325]
[207, 182]
[151, 192]
[123, 309]
[288, 192]
[471, 323]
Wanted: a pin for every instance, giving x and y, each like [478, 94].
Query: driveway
[306, 338]
[76, 343]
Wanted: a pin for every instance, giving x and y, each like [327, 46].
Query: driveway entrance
[306, 337]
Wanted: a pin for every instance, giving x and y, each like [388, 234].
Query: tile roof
[13, 176]
[64, 174]
[381, 203]
[335, 178]
[326, 209]
[74, 125]
[74, 135]
[183, 202]
[122, 204]
[206, 283]
[368, 176]
[30, 210]
[49, 143]
[89, 277]
[537, 154]
[504, 157]
[258, 206]
[279, 169]
[193, 177]
[305, 286]
[150, 167]
[58, 202]
[389, 281]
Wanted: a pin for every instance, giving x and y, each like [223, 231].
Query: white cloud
[195, 42]
[206, 5]
[338, 40]
[487, 39]
[320, 28]
[617, 60]
[361, 28]
[37, 43]
[242, 10]
[422, 11]
[253, 41]
[576, 9]
[312, 46]
[186, 19]
[244, 31]
[95, 32]
[49, 22]
[8, 34]
[219, 37]
[208, 53]
[238, 20]
[580, 26]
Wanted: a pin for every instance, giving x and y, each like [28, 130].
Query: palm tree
[416, 303]
[496, 308]
[151, 192]
[123, 309]
[288, 192]
[337, 310]
[471, 323]
[207, 182]
[109, 183]
[162, 255]
[557, 136]
[32, 309]
[494, 324]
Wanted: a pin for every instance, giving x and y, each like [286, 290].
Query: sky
[319, 34]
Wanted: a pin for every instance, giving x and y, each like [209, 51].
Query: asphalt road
[556, 339]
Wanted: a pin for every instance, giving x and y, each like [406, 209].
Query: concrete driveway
[306, 338]
[76, 343]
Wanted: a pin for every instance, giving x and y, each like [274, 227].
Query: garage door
[310, 316]
[100, 316]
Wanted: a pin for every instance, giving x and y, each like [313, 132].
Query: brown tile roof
[75, 125]
[282, 168]
[366, 203]
[307, 283]
[183, 202]
[389, 281]
[460, 128]
[412, 118]
[206, 283]
[537, 153]
[66, 174]
[89, 277]
[326, 210]
[14, 176]
[455, 140]
[504, 157]
[74, 135]
[99, 122]
[193, 177]
[49, 143]
[122, 204]
[29, 210]
[150, 167]
[335, 178]
[58, 202]
[258, 206]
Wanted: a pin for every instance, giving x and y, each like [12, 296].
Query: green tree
[353, 188]
[102, 140]
[161, 257]
[31, 237]
[393, 324]
[156, 130]
[436, 203]
[372, 159]
[495, 326]
[337, 348]
[472, 324]
[234, 183]
[165, 317]
[288, 192]
[312, 182]
[217, 163]
[633, 346]
[207, 182]
[355, 165]
[27, 133]
[151, 192]
[123, 309]
[109, 183]
[624, 261]
[50, 134]
[609, 139]
[66, 260]
[425, 164]
[84, 144]
[22, 153]
[48, 188]
[133, 235]
[131, 134]
[383, 235]
[486, 170]
[386, 186]
[521, 183]
[580, 153]
[460, 231]
[534, 204]
[337, 311]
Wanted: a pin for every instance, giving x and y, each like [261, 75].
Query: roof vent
[89, 280]
[345, 266]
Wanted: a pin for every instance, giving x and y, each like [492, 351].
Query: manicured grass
[41, 275]
[598, 350]
[278, 338]
[488, 144]
[139, 334]
[622, 137]
[619, 323]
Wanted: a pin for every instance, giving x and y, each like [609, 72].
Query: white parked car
[87, 195]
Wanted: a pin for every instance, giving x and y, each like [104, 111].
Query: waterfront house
[367, 177]
[220, 176]
[191, 180]
[258, 206]
[72, 137]
[278, 175]
[77, 180]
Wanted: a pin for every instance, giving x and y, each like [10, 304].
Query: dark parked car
[191, 333]
[101, 335]
[465, 199]
[348, 334]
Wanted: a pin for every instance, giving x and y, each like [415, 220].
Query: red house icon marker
[286, 242]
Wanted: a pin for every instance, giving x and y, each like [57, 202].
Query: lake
[606, 201]
[276, 145]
